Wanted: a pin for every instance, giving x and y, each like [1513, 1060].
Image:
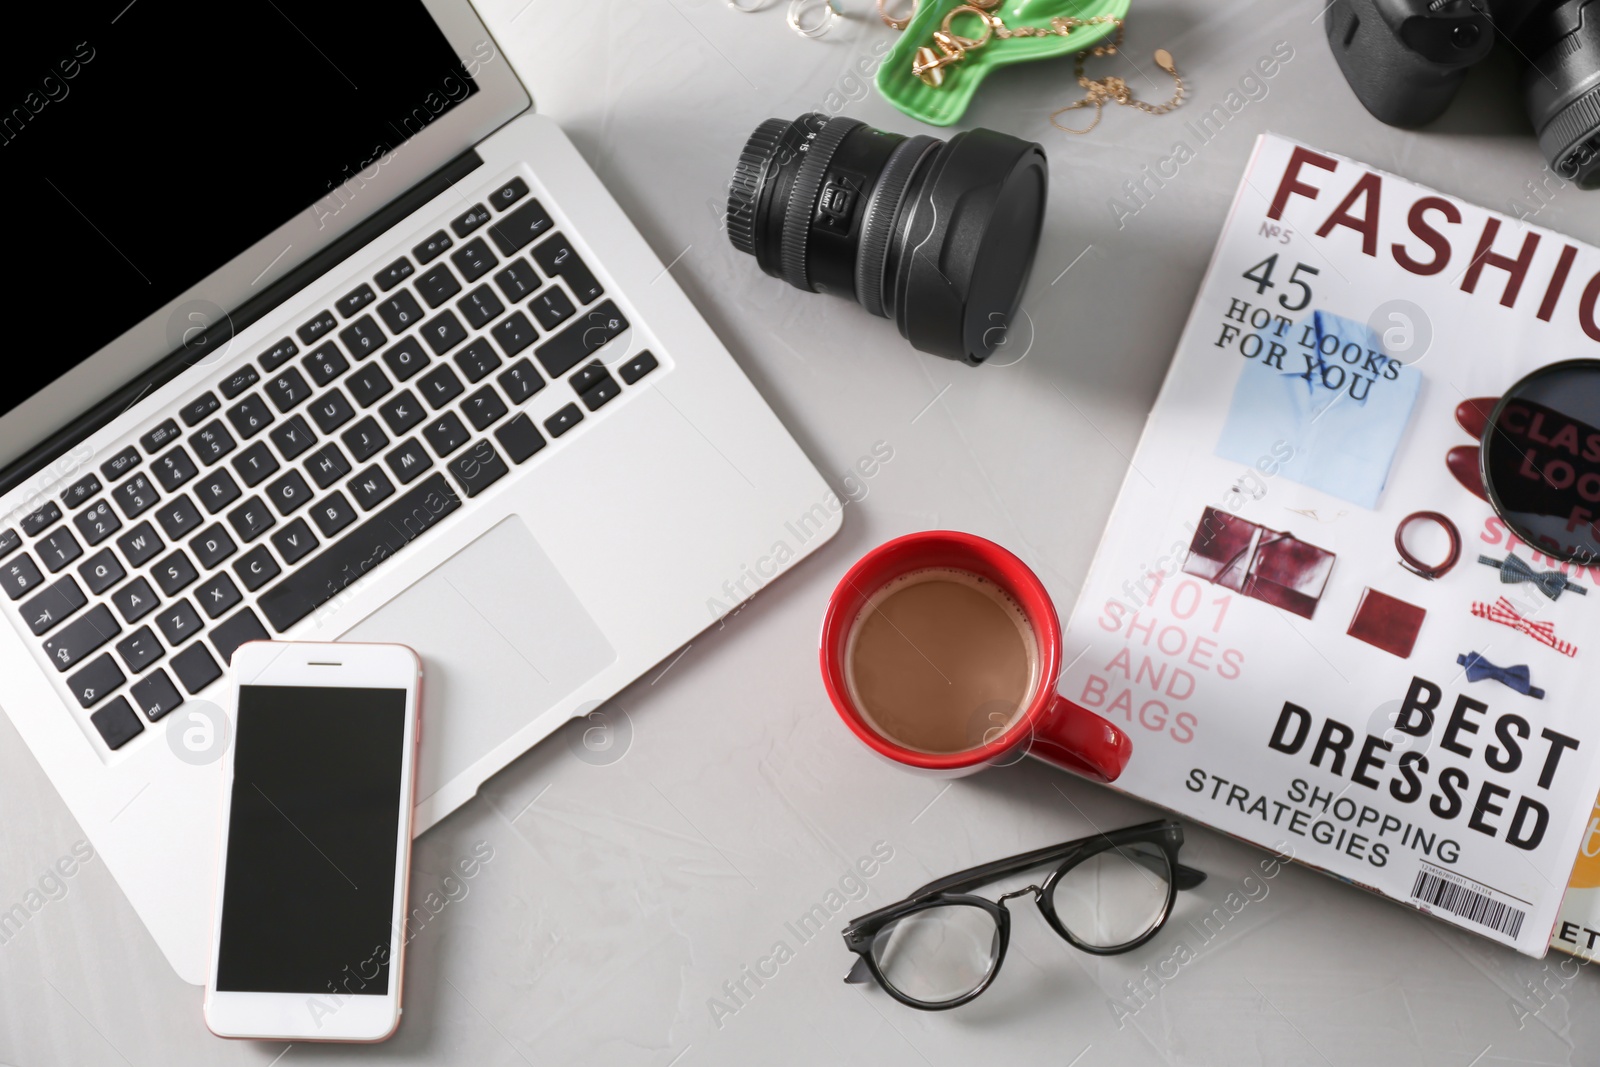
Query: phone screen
[309, 883]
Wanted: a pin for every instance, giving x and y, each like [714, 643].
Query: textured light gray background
[622, 895]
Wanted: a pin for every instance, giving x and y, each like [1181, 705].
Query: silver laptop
[325, 335]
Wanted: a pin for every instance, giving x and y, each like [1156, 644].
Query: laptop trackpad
[502, 638]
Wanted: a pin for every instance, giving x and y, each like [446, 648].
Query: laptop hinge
[200, 346]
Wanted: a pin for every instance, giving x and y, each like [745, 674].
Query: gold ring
[967, 43]
[897, 22]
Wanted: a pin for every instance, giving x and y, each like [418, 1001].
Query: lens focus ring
[803, 198]
[878, 220]
[746, 184]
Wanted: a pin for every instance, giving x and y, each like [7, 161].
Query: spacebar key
[325, 576]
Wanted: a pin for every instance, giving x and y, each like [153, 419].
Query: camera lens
[938, 236]
[1561, 86]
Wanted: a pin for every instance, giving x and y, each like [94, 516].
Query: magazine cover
[1319, 632]
[1577, 929]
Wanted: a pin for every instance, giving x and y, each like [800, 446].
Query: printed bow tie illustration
[1517, 677]
[1502, 612]
[1515, 569]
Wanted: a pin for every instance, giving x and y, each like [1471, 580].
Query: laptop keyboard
[264, 496]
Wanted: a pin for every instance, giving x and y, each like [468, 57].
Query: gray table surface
[625, 894]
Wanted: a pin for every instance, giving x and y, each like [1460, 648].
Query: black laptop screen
[144, 144]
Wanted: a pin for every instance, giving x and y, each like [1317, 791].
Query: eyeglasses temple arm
[1185, 877]
[860, 973]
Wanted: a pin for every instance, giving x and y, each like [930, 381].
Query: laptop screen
[144, 144]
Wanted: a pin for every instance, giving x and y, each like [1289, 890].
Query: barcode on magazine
[1468, 903]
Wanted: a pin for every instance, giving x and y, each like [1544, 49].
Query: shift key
[76, 640]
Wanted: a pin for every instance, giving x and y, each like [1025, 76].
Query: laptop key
[401, 413]
[588, 377]
[212, 545]
[135, 600]
[474, 217]
[139, 650]
[480, 307]
[371, 487]
[293, 437]
[289, 388]
[80, 492]
[315, 330]
[173, 468]
[474, 260]
[355, 300]
[520, 381]
[563, 420]
[333, 513]
[195, 668]
[433, 247]
[582, 339]
[514, 333]
[369, 385]
[520, 438]
[155, 695]
[255, 464]
[212, 443]
[98, 678]
[556, 256]
[332, 410]
[363, 337]
[400, 312]
[278, 355]
[59, 600]
[405, 359]
[551, 307]
[440, 385]
[120, 464]
[394, 274]
[195, 411]
[289, 492]
[179, 622]
[80, 638]
[250, 416]
[20, 576]
[101, 571]
[364, 439]
[327, 465]
[445, 434]
[508, 194]
[97, 523]
[478, 467]
[408, 460]
[477, 360]
[10, 541]
[160, 437]
[235, 632]
[251, 519]
[174, 573]
[140, 545]
[239, 381]
[323, 576]
[518, 229]
[294, 542]
[518, 280]
[35, 521]
[117, 723]
[443, 332]
[326, 363]
[601, 393]
[437, 285]
[217, 490]
[217, 594]
[135, 496]
[177, 517]
[484, 408]
[58, 549]
[256, 567]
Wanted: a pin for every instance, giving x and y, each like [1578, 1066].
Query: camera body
[1406, 59]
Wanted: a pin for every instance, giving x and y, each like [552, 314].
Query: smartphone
[307, 941]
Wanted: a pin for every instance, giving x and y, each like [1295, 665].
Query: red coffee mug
[1051, 726]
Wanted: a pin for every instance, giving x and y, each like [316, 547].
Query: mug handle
[1071, 736]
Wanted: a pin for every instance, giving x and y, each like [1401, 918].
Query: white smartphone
[307, 939]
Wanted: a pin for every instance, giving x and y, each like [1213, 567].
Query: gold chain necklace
[953, 47]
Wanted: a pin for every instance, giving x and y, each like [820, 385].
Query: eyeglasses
[941, 947]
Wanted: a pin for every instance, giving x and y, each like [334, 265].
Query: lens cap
[970, 244]
[1541, 459]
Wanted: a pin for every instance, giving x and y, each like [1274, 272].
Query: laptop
[318, 332]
